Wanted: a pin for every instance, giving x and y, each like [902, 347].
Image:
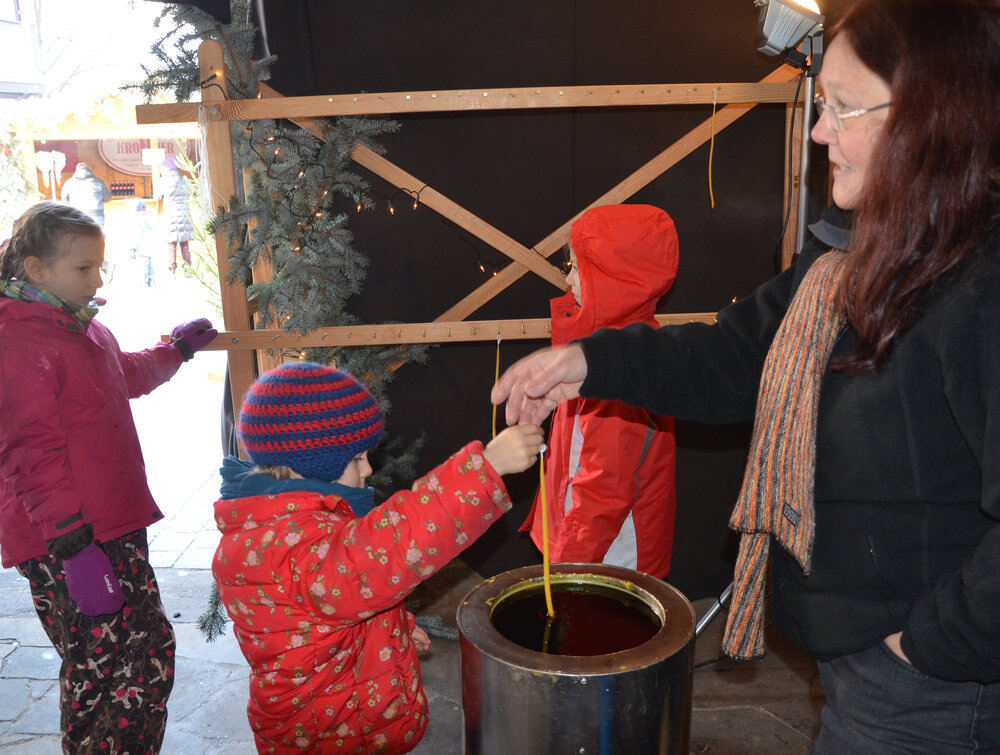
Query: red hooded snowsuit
[69, 453]
[316, 594]
[610, 467]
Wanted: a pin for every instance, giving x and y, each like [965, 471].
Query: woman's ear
[35, 269]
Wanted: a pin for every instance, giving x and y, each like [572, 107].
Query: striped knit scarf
[777, 495]
[22, 291]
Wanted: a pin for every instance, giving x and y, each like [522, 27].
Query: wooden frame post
[222, 185]
[791, 194]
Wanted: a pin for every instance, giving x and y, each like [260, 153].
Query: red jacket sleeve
[604, 489]
[33, 440]
[375, 561]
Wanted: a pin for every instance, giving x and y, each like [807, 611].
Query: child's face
[356, 472]
[573, 279]
[74, 274]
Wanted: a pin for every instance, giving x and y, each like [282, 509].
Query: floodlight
[782, 24]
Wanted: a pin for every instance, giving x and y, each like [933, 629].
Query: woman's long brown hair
[932, 194]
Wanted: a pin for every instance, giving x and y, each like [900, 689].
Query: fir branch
[299, 190]
[212, 623]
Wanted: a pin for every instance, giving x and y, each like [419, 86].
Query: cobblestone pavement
[770, 706]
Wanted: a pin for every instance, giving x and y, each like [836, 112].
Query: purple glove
[92, 583]
[193, 336]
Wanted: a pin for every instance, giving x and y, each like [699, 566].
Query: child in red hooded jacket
[74, 503]
[314, 576]
[610, 467]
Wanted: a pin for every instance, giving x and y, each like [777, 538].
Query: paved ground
[771, 706]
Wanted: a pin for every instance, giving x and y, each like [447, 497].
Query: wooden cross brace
[450, 325]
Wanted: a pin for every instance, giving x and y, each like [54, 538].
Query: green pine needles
[293, 213]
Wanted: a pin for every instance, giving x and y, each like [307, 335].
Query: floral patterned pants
[117, 669]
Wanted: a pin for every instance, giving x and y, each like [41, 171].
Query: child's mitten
[193, 336]
[92, 583]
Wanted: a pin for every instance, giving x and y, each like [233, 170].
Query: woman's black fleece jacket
[907, 487]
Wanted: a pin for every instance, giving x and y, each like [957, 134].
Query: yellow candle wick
[546, 580]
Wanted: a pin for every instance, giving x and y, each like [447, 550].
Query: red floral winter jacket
[69, 453]
[315, 595]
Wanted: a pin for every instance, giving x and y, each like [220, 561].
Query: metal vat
[522, 701]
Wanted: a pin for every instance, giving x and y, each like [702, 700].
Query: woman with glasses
[872, 371]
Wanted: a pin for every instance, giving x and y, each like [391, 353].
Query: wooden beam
[413, 332]
[507, 98]
[431, 197]
[262, 271]
[633, 183]
[222, 179]
[788, 241]
[438, 202]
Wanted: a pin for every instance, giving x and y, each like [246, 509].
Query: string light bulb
[392, 210]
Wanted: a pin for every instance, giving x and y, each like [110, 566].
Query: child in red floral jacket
[314, 577]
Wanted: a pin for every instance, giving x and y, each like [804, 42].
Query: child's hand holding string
[515, 449]
[421, 640]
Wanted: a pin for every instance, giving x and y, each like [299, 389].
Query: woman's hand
[892, 641]
[535, 385]
[515, 449]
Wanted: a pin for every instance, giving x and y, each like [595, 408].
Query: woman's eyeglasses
[837, 117]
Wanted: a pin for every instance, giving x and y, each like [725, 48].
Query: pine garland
[293, 214]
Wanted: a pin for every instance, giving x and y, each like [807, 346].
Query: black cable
[217, 86]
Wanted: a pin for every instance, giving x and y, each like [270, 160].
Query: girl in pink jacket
[74, 503]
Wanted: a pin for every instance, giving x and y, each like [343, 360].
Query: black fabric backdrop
[526, 173]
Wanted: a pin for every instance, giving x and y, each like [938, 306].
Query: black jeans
[878, 703]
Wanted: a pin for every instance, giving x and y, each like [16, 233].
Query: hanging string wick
[711, 148]
[546, 577]
[496, 379]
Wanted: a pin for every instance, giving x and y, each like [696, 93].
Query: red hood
[626, 259]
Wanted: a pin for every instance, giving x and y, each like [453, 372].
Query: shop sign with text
[125, 155]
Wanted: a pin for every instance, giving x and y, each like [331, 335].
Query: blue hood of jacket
[239, 480]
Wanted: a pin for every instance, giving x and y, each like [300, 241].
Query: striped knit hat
[311, 418]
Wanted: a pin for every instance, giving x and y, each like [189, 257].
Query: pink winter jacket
[69, 453]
